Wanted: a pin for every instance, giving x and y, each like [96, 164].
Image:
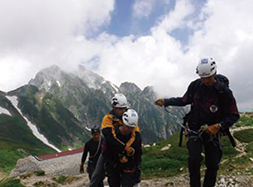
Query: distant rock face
[45, 79]
[66, 165]
[62, 166]
[126, 87]
[92, 79]
[25, 165]
[62, 105]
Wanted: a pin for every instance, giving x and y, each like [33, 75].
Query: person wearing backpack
[93, 147]
[213, 111]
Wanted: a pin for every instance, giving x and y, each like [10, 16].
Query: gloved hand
[130, 151]
[159, 102]
[81, 168]
[122, 158]
[213, 129]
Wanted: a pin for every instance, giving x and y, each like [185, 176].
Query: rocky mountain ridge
[63, 105]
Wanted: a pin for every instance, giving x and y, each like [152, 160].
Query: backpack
[224, 83]
[221, 78]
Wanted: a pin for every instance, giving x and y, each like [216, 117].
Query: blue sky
[125, 22]
[121, 19]
[149, 42]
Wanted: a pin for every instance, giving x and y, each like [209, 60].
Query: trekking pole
[184, 127]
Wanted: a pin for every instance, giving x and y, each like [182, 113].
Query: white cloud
[156, 59]
[177, 17]
[227, 35]
[13, 65]
[41, 33]
[223, 31]
[143, 8]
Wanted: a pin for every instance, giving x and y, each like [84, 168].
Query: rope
[97, 149]
[197, 135]
[184, 127]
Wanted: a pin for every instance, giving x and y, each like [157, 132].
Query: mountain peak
[92, 79]
[128, 86]
[149, 93]
[47, 77]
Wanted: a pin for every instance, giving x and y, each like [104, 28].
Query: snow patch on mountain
[88, 129]
[4, 111]
[46, 78]
[58, 82]
[49, 84]
[115, 87]
[34, 129]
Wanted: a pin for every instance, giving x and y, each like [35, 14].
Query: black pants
[213, 154]
[121, 179]
[98, 175]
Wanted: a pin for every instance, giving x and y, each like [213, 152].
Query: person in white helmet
[123, 167]
[110, 121]
[213, 110]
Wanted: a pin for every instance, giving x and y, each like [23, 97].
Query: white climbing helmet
[119, 101]
[206, 67]
[130, 118]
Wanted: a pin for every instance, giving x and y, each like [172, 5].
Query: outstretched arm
[180, 101]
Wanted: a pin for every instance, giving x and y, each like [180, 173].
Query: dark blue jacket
[209, 105]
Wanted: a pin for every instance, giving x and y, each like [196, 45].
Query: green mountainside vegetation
[17, 141]
[166, 158]
[16, 138]
[158, 163]
[18, 144]
[51, 117]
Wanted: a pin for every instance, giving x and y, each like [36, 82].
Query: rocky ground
[180, 181]
[68, 166]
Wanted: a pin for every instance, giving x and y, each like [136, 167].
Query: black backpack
[224, 83]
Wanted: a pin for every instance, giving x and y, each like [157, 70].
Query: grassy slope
[157, 163]
[11, 182]
[17, 143]
[244, 162]
[164, 163]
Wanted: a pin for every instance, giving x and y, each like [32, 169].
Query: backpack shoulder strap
[193, 87]
[191, 91]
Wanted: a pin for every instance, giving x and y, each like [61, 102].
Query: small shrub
[27, 175]
[11, 182]
[61, 179]
[44, 183]
[70, 179]
[40, 173]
